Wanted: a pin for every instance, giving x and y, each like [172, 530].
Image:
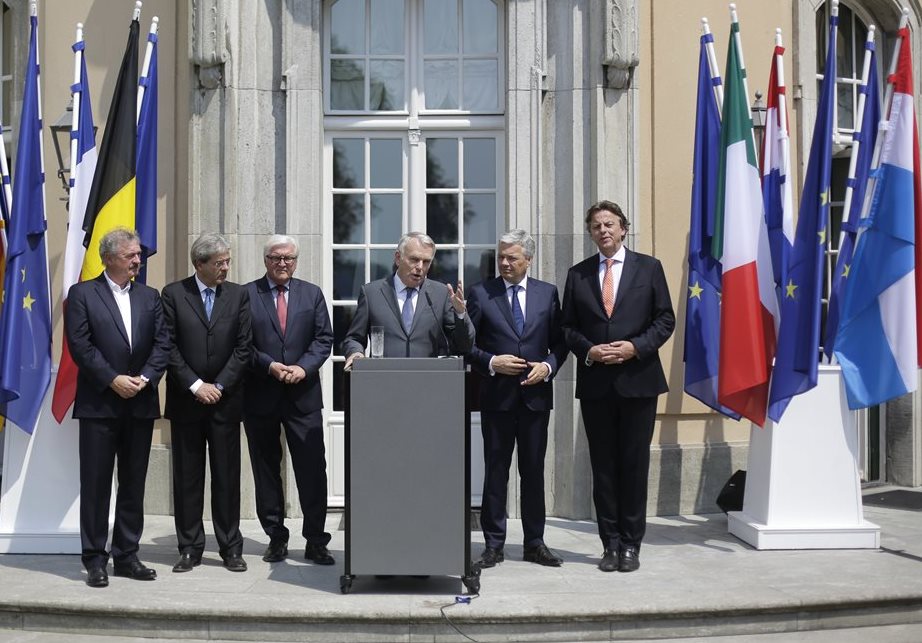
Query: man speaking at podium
[420, 318]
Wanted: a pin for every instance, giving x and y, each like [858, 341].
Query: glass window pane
[348, 218]
[440, 83]
[348, 27]
[348, 273]
[382, 263]
[348, 163]
[386, 85]
[342, 317]
[846, 94]
[844, 43]
[386, 163]
[445, 267]
[442, 163]
[478, 266]
[386, 218]
[347, 84]
[387, 27]
[480, 81]
[479, 27]
[441, 27]
[479, 218]
[442, 217]
[480, 163]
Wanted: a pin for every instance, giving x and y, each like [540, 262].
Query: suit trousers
[101, 441]
[619, 430]
[189, 441]
[501, 431]
[304, 435]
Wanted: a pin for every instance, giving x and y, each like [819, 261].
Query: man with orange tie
[616, 315]
[292, 338]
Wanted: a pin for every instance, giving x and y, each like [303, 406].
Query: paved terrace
[695, 580]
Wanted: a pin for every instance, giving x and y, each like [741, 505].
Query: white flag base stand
[802, 486]
[40, 501]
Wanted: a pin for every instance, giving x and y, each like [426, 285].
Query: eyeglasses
[281, 259]
[224, 263]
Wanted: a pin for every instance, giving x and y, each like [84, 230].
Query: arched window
[414, 140]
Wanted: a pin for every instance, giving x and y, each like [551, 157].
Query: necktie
[518, 317]
[281, 306]
[608, 288]
[407, 313]
[209, 302]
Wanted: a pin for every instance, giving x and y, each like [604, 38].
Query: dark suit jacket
[307, 342]
[215, 351]
[432, 325]
[643, 315]
[541, 341]
[98, 342]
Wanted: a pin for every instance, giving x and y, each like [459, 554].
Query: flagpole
[33, 11]
[75, 99]
[783, 108]
[884, 121]
[856, 142]
[737, 39]
[137, 10]
[713, 66]
[154, 28]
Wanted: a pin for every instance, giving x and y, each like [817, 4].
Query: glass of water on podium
[377, 341]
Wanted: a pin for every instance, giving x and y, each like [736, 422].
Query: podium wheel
[345, 583]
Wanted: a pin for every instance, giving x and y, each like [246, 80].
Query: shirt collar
[202, 287]
[273, 286]
[618, 256]
[399, 286]
[115, 287]
[523, 283]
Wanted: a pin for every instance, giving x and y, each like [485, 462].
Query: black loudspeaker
[730, 497]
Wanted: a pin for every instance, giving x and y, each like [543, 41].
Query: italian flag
[749, 306]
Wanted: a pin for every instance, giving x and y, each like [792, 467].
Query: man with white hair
[292, 338]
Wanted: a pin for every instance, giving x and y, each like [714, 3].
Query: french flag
[878, 342]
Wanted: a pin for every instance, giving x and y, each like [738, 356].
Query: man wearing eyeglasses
[292, 338]
[209, 322]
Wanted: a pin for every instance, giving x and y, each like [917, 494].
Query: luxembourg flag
[776, 163]
[878, 343]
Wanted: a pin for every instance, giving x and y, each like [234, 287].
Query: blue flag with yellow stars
[25, 319]
[702, 315]
[797, 358]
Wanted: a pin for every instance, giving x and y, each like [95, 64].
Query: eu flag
[702, 316]
[25, 321]
[797, 359]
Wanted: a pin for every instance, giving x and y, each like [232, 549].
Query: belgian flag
[111, 203]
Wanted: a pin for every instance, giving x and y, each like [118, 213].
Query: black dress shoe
[609, 561]
[490, 557]
[97, 577]
[319, 554]
[136, 570]
[186, 562]
[235, 563]
[276, 551]
[542, 555]
[629, 559]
